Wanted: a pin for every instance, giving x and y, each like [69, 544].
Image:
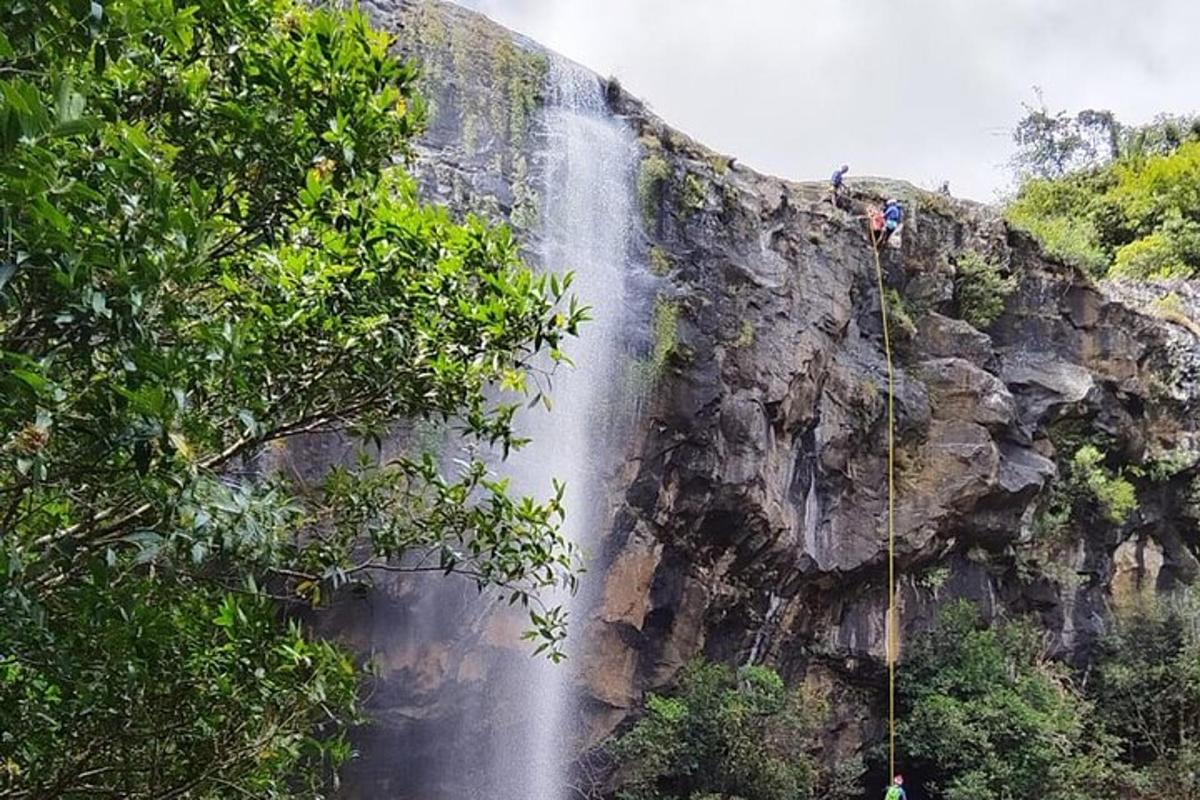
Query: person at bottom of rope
[896, 790]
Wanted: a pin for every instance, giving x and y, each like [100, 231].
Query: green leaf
[69, 104]
[31, 379]
[46, 211]
[74, 128]
[227, 616]
[148, 543]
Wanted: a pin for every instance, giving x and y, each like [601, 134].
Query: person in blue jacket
[837, 181]
[893, 215]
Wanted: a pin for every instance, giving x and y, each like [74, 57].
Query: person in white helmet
[893, 215]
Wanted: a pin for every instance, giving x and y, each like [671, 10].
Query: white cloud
[918, 89]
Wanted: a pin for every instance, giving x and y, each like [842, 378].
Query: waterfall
[588, 217]
[763, 637]
[465, 711]
[812, 512]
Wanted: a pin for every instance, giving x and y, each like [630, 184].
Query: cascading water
[588, 219]
[465, 711]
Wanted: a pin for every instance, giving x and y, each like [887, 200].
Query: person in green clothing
[896, 790]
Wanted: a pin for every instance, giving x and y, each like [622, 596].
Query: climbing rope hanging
[892, 634]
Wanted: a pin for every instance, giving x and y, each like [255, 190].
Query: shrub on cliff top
[1133, 213]
[1055, 213]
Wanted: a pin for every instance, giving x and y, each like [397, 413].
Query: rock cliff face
[748, 521]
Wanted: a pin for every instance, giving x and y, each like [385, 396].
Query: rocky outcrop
[749, 522]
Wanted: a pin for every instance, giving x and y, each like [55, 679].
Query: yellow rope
[892, 628]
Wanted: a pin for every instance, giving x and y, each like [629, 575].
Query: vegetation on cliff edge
[1117, 201]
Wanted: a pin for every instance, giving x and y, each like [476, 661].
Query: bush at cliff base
[985, 712]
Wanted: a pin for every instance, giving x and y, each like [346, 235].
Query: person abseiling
[875, 219]
[896, 790]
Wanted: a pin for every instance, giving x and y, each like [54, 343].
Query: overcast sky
[925, 90]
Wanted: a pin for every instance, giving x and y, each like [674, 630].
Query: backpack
[894, 793]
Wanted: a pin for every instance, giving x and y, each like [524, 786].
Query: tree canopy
[724, 733]
[209, 245]
[1147, 692]
[984, 714]
[1117, 201]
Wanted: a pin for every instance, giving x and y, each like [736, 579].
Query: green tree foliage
[1131, 212]
[1147, 692]
[156, 689]
[723, 733]
[205, 249]
[985, 715]
[1086, 482]
[1050, 145]
[1114, 494]
[981, 289]
[1157, 201]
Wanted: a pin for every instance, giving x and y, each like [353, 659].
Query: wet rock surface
[749, 520]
